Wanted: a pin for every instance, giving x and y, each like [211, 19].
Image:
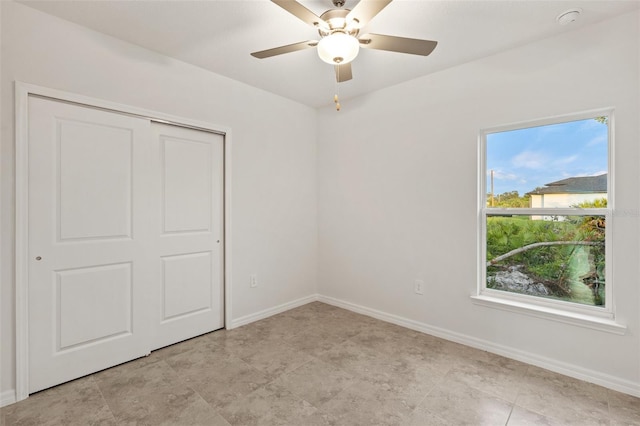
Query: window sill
[580, 320]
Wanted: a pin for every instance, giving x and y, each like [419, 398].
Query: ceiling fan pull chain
[336, 100]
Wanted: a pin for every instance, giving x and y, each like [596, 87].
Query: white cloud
[565, 160]
[601, 139]
[529, 160]
[499, 174]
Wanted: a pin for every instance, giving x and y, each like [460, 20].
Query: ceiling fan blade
[284, 49]
[365, 10]
[413, 46]
[301, 12]
[343, 72]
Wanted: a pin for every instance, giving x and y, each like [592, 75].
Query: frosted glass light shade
[338, 48]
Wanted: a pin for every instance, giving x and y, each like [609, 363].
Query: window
[545, 213]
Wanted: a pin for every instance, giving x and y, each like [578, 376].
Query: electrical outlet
[253, 280]
[418, 286]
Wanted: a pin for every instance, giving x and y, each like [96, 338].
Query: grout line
[510, 413]
[97, 385]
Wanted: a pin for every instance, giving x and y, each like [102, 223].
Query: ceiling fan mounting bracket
[338, 3]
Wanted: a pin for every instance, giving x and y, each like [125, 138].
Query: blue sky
[527, 158]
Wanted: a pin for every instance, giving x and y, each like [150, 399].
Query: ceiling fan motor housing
[336, 19]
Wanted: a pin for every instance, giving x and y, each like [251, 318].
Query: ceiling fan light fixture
[338, 48]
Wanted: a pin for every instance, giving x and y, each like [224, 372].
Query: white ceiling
[219, 36]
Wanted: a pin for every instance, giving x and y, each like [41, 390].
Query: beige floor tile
[356, 360]
[236, 339]
[279, 327]
[624, 409]
[389, 339]
[563, 398]
[431, 353]
[252, 339]
[569, 409]
[74, 403]
[273, 358]
[197, 357]
[460, 404]
[316, 382]
[155, 395]
[249, 338]
[320, 418]
[537, 377]
[523, 417]
[423, 417]
[315, 340]
[496, 375]
[347, 326]
[366, 403]
[219, 377]
[269, 405]
[409, 381]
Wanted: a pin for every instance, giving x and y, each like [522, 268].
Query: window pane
[557, 257]
[552, 166]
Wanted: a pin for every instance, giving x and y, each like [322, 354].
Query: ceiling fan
[340, 40]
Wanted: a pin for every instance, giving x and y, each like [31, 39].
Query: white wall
[398, 189]
[274, 226]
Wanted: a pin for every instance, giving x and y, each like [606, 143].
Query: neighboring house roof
[575, 185]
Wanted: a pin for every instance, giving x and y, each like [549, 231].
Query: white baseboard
[7, 397]
[271, 311]
[611, 382]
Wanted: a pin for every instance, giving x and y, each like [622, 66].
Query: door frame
[22, 93]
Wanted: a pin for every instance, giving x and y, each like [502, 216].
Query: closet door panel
[189, 237]
[89, 274]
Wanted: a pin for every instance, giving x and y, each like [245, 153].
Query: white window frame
[597, 317]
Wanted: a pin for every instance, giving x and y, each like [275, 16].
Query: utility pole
[492, 203]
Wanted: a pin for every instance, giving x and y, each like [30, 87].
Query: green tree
[602, 120]
[509, 199]
[600, 203]
[593, 228]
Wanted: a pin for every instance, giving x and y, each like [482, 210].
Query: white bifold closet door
[125, 237]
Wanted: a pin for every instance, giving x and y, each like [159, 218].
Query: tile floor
[321, 365]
